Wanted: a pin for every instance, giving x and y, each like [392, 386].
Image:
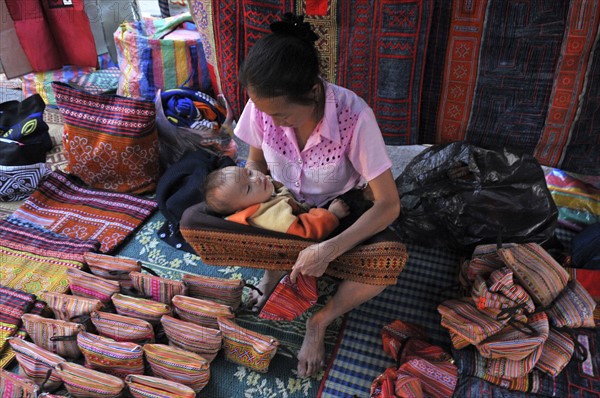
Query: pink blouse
[345, 151]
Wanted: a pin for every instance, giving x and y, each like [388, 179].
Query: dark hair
[283, 63]
[214, 180]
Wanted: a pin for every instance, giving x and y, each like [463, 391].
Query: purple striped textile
[13, 304]
[112, 357]
[35, 362]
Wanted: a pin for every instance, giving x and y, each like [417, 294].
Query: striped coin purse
[574, 308]
[67, 307]
[148, 310]
[188, 336]
[556, 353]
[246, 347]
[122, 328]
[113, 268]
[223, 291]
[82, 382]
[15, 386]
[112, 357]
[499, 292]
[35, 363]
[290, 300]
[155, 387]
[156, 288]
[88, 285]
[54, 335]
[178, 365]
[201, 312]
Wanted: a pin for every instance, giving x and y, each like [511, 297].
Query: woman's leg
[266, 285]
[349, 295]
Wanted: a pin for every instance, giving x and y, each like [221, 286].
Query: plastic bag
[459, 195]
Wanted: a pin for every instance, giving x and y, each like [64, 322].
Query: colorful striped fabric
[15, 386]
[63, 205]
[13, 304]
[578, 203]
[7, 354]
[148, 310]
[122, 328]
[68, 307]
[499, 292]
[35, 362]
[556, 353]
[201, 340]
[438, 379]
[156, 288]
[56, 336]
[110, 142]
[395, 335]
[112, 357]
[155, 387]
[111, 267]
[479, 266]
[221, 290]
[178, 365]
[574, 308]
[91, 286]
[246, 347]
[41, 82]
[536, 270]
[201, 312]
[391, 384]
[290, 300]
[83, 382]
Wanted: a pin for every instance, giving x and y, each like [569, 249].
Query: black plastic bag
[459, 195]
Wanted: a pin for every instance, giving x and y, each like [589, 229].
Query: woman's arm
[256, 160]
[313, 260]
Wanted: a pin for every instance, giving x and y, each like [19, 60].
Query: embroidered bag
[113, 268]
[122, 328]
[438, 379]
[290, 300]
[83, 382]
[35, 363]
[201, 312]
[148, 310]
[395, 335]
[110, 142]
[87, 285]
[70, 308]
[112, 357]
[246, 347]
[391, 384]
[59, 337]
[15, 386]
[156, 288]
[221, 290]
[574, 308]
[178, 365]
[201, 340]
[155, 387]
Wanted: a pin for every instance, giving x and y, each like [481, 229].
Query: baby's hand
[339, 208]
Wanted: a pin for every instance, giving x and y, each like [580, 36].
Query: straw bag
[148, 310]
[82, 382]
[35, 363]
[56, 336]
[87, 285]
[108, 356]
[201, 312]
[201, 340]
[155, 387]
[156, 288]
[122, 328]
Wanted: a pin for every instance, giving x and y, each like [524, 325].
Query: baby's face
[246, 187]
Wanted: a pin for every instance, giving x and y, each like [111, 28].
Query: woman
[321, 141]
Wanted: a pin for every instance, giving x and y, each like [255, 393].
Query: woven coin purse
[573, 308]
[156, 288]
[15, 386]
[201, 312]
[82, 382]
[148, 310]
[88, 285]
[67, 307]
[35, 363]
[188, 336]
[155, 387]
[246, 347]
[223, 291]
[113, 268]
[178, 365]
[122, 328]
[112, 357]
[289, 300]
[56, 336]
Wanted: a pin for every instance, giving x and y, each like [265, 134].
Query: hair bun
[294, 25]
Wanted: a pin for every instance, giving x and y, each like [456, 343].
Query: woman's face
[284, 112]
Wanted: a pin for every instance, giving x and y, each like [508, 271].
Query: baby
[252, 198]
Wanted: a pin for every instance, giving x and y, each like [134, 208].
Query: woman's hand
[314, 260]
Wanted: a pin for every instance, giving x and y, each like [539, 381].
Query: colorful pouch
[82, 382]
[156, 288]
[155, 387]
[201, 312]
[574, 308]
[54, 335]
[113, 268]
[87, 285]
[201, 340]
[148, 310]
[499, 292]
[15, 386]
[123, 328]
[35, 363]
[394, 336]
[67, 307]
[556, 353]
[178, 365]
[246, 347]
[438, 379]
[290, 300]
[221, 290]
[112, 357]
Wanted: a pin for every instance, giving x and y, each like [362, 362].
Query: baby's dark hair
[284, 62]
[215, 202]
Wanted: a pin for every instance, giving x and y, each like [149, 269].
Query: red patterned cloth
[289, 300]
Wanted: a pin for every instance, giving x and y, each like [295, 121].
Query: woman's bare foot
[266, 285]
[311, 357]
